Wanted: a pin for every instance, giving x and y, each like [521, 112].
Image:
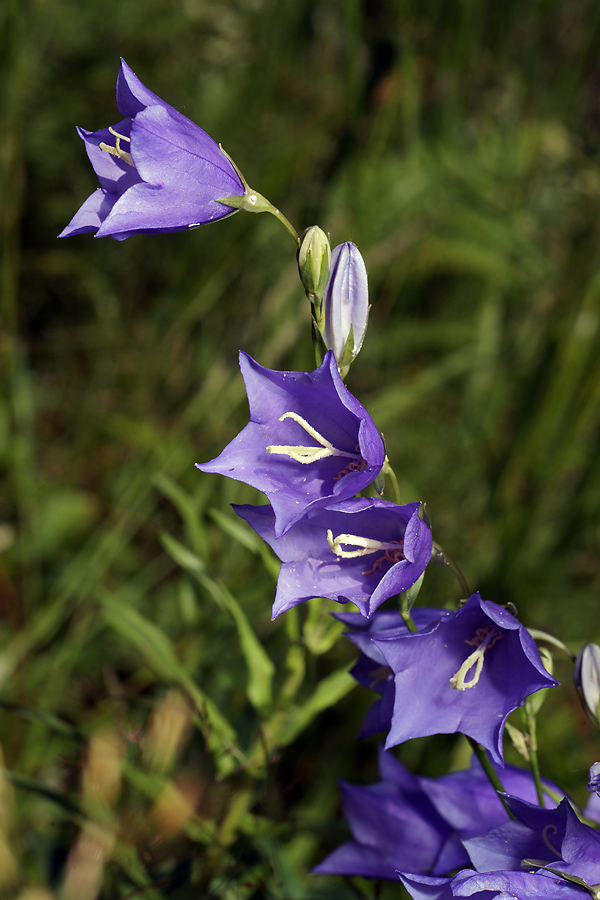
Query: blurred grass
[457, 145]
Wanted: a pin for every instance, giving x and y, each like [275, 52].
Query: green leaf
[159, 654]
[260, 666]
[287, 726]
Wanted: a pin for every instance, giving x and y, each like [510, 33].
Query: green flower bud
[314, 260]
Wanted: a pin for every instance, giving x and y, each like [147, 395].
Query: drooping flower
[412, 821]
[309, 442]
[346, 303]
[389, 548]
[158, 171]
[464, 673]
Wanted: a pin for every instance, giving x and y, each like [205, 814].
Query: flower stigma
[116, 150]
[304, 454]
[484, 639]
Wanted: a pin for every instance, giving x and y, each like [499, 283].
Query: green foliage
[457, 145]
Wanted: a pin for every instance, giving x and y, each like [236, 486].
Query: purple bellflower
[346, 304]
[491, 886]
[158, 171]
[309, 442]
[464, 673]
[394, 826]
[362, 550]
[371, 670]
[566, 864]
[407, 820]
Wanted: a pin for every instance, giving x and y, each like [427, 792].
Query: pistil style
[304, 454]
[364, 545]
[475, 659]
[116, 150]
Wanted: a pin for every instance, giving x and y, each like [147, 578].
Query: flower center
[485, 637]
[362, 546]
[116, 150]
[379, 676]
[303, 454]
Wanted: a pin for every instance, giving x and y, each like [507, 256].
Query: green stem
[388, 471]
[406, 616]
[285, 222]
[491, 773]
[544, 637]
[449, 561]
[534, 765]
[252, 201]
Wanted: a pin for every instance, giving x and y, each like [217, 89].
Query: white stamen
[116, 150]
[304, 454]
[365, 545]
[475, 659]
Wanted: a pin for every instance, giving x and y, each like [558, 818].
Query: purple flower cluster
[310, 446]
[421, 825]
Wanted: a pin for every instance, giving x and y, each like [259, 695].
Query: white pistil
[116, 150]
[303, 454]
[475, 660]
[364, 545]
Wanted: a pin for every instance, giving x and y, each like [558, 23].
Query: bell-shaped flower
[394, 826]
[309, 442]
[345, 304]
[543, 854]
[534, 832]
[158, 171]
[418, 824]
[362, 550]
[371, 670]
[464, 673]
[540, 885]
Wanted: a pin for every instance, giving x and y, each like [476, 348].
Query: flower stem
[444, 559]
[544, 637]
[530, 723]
[489, 770]
[387, 470]
[252, 201]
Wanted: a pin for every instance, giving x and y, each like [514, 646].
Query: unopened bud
[314, 260]
[587, 680]
[346, 304]
[594, 782]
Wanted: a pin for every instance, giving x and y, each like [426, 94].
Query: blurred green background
[457, 144]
